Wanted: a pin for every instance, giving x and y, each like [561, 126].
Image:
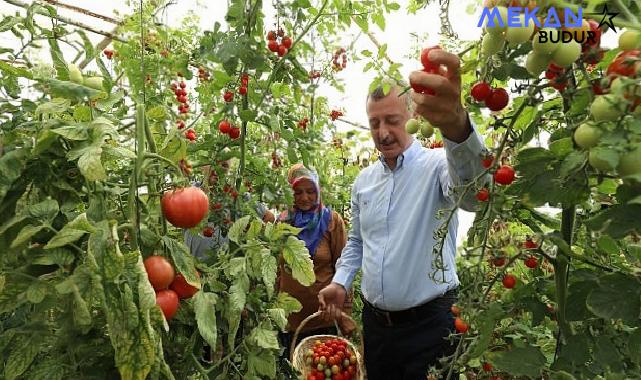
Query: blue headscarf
[314, 222]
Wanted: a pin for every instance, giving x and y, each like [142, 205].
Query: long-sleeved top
[327, 253]
[394, 217]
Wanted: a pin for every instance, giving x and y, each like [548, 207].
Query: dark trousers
[405, 348]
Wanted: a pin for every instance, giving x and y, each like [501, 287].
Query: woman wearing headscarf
[324, 234]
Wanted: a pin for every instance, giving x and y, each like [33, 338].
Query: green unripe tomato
[75, 75]
[411, 126]
[427, 130]
[587, 135]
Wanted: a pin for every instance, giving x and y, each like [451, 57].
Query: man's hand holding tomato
[443, 109]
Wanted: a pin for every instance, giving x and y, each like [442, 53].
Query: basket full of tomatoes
[323, 357]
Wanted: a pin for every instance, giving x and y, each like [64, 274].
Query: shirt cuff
[470, 149]
[343, 277]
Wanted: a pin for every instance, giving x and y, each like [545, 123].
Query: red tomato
[272, 45]
[234, 133]
[483, 195]
[455, 310]
[168, 302]
[460, 325]
[487, 367]
[425, 60]
[509, 281]
[504, 175]
[287, 42]
[497, 100]
[531, 262]
[498, 261]
[159, 271]
[530, 244]
[182, 287]
[420, 89]
[224, 126]
[185, 207]
[625, 63]
[481, 91]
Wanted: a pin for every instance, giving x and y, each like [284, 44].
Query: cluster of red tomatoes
[495, 98]
[302, 124]
[335, 114]
[331, 359]
[170, 288]
[226, 128]
[340, 53]
[273, 44]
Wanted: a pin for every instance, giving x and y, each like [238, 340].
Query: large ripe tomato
[497, 100]
[168, 302]
[480, 91]
[182, 288]
[159, 271]
[185, 207]
[625, 63]
[504, 175]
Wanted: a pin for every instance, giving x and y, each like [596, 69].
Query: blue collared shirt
[393, 219]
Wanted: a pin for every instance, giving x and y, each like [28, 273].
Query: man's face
[387, 117]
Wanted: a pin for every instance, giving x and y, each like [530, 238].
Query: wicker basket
[297, 352]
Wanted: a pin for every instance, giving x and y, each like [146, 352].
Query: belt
[420, 312]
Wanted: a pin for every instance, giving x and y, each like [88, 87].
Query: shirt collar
[408, 155]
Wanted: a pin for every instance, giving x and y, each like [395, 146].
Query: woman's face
[305, 196]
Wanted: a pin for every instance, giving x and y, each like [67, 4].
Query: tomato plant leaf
[204, 308]
[238, 292]
[264, 336]
[36, 292]
[25, 235]
[278, 317]
[90, 164]
[182, 259]
[297, 258]
[269, 269]
[238, 229]
[263, 363]
[288, 303]
[44, 211]
[618, 296]
[519, 361]
[22, 355]
[71, 232]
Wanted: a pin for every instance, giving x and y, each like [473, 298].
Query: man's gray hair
[379, 92]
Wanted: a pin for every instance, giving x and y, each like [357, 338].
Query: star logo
[606, 18]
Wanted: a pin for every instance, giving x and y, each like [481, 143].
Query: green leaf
[238, 229]
[617, 221]
[72, 132]
[183, 261]
[288, 303]
[57, 256]
[58, 59]
[204, 308]
[278, 317]
[617, 297]
[576, 307]
[238, 292]
[22, 355]
[81, 313]
[605, 154]
[90, 165]
[248, 115]
[55, 106]
[562, 147]
[264, 364]
[15, 71]
[608, 245]
[519, 361]
[279, 230]
[572, 162]
[255, 228]
[297, 258]
[157, 113]
[633, 342]
[561, 375]
[44, 211]
[36, 292]
[268, 271]
[119, 152]
[25, 235]
[264, 336]
[71, 232]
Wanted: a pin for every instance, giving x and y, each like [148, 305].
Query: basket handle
[316, 315]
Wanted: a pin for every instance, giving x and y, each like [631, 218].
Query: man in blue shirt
[406, 314]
